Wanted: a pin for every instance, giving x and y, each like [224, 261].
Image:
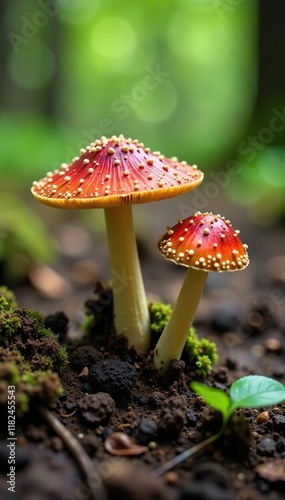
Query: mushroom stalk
[171, 342]
[131, 312]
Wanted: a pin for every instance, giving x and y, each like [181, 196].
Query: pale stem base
[131, 312]
[172, 340]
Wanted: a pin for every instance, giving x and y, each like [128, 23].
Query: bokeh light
[113, 37]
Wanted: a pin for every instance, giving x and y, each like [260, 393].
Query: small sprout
[253, 391]
[123, 445]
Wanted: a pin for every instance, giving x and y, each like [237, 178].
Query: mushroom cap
[205, 242]
[115, 172]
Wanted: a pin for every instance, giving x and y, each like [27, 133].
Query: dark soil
[109, 388]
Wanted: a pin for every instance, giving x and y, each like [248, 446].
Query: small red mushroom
[203, 243]
[114, 174]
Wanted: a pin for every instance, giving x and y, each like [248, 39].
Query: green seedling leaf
[251, 392]
[255, 391]
[216, 398]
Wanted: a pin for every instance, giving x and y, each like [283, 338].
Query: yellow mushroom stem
[172, 340]
[131, 312]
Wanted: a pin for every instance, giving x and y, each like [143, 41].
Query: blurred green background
[200, 79]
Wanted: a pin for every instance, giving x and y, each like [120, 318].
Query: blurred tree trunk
[51, 90]
[271, 51]
[4, 48]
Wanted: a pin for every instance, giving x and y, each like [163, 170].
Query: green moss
[199, 354]
[159, 316]
[209, 349]
[9, 298]
[203, 365]
[63, 358]
[31, 388]
[42, 386]
[30, 356]
[37, 317]
[10, 372]
[24, 330]
[10, 323]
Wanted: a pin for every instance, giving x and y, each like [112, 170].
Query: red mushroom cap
[206, 242]
[114, 172]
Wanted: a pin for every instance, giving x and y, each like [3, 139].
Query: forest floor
[243, 314]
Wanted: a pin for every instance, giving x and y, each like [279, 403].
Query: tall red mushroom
[203, 243]
[114, 174]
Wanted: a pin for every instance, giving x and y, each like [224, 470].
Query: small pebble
[273, 472]
[146, 431]
[241, 476]
[263, 417]
[280, 447]
[257, 350]
[279, 422]
[191, 419]
[160, 452]
[69, 406]
[84, 373]
[171, 478]
[272, 345]
[266, 447]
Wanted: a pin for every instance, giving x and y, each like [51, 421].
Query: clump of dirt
[114, 377]
[84, 356]
[96, 408]
[172, 416]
